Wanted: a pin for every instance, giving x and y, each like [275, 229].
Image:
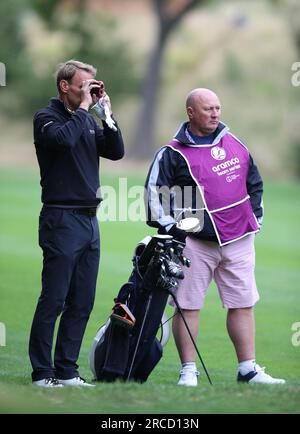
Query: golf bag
[126, 347]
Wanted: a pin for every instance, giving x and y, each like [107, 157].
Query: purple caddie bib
[220, 172]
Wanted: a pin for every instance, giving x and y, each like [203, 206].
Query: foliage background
[243, 50]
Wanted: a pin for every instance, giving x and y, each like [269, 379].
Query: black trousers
[71, 252]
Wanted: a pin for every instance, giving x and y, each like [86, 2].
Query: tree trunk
[169, 15]
[143, 141]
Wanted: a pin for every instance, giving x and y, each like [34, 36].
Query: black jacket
[170, 169]
[68, 147]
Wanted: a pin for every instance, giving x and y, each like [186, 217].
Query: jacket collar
[57, 105]
[185, 139]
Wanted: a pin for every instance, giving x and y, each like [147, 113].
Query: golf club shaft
[190, 334]
[139, 338]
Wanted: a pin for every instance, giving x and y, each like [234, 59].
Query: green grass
[278, 275]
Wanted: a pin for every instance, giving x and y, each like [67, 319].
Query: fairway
[278, 277]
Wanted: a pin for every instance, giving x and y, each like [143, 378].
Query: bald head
[200, 94]
[203, 108]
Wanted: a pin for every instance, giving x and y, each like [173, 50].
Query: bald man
[214, 174]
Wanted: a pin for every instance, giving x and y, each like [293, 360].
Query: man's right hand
[86, 97]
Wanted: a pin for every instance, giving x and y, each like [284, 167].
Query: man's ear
[190, 112]
[64, 86]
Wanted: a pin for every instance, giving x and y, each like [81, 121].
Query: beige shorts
[231, 267]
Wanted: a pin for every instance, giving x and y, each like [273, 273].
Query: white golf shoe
[47, 382]
[76, 381]
[188, 377]
[259, 376]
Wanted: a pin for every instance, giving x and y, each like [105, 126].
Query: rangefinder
[98, 91]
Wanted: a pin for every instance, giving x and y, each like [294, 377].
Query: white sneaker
[259, 376]
[76, 381]
[47, 382]
[188, 377]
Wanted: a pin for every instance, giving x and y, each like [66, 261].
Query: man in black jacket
[68, 144]
[213, 172]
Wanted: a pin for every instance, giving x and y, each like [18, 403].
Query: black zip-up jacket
[68, 147]
[169, 169]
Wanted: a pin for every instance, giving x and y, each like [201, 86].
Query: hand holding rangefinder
[98, 91]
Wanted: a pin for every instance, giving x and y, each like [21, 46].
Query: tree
[46, 9]
[295, 23]
[96, 42]
[11, 39]
[47, 32]
[169, 13]
[291, 8]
